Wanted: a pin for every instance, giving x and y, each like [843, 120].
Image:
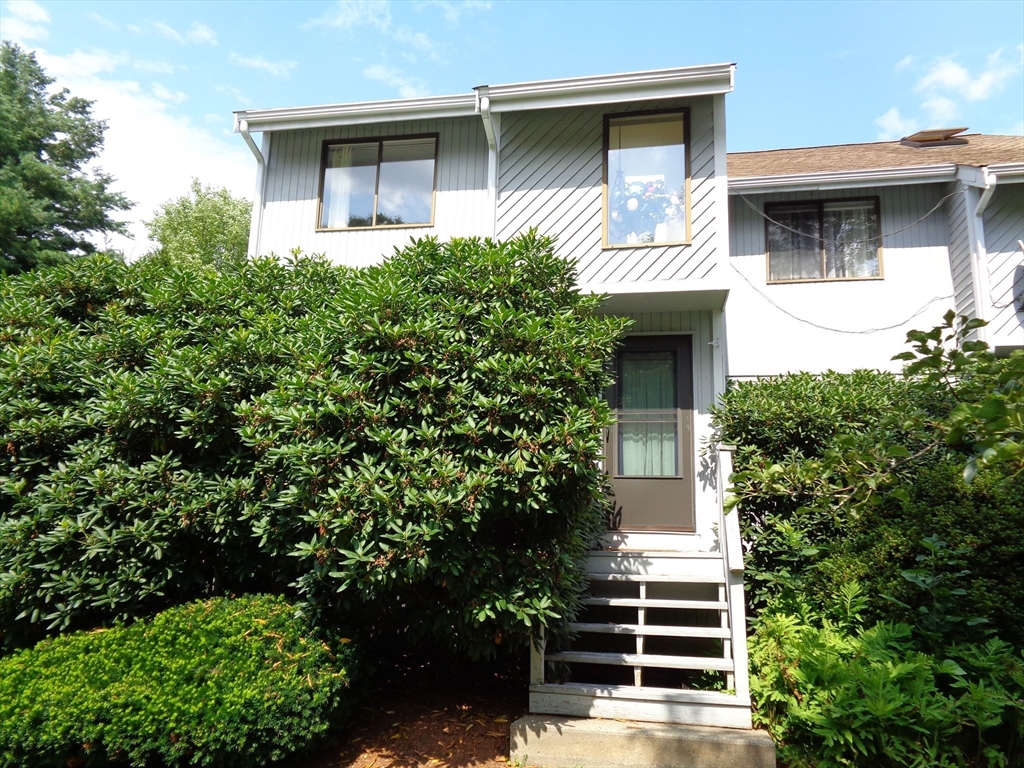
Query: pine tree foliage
[51, 197]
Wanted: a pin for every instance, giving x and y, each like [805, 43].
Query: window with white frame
[646, 179]
[380, 183]
[823, 240]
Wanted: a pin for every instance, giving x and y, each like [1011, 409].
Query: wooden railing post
[537, 658]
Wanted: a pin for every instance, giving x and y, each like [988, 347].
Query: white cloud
[408, 87]
[153, 67]
[200, 34]
[452, 11]
[103, 21]
[941, 111]
[23, 22]
[894, 125]
[150, 149]
[903, 63]
[234, 93]
[416, 39]
[166, 94]
[197, 34]
[349, 14]
[275, 68]
[945, 75]
[82, 64]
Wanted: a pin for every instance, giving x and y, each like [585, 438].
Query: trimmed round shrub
[226, 682]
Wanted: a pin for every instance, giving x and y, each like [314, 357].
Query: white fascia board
[329, 115]
[1008, 172]
[875, 177]
[678, 82]
[659, 296]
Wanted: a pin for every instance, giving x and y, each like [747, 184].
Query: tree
[49, 197]
[208, 224]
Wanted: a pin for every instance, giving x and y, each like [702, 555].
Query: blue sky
[167, 75]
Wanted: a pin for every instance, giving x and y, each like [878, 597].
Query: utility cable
[824, 240]
[811, 323]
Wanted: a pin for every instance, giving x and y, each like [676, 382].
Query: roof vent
[935, 137]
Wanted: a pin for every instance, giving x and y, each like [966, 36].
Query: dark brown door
[649, 451]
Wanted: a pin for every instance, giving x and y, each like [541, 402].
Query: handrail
[729, 526]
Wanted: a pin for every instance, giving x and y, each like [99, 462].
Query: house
[811, 258]
[910, 229]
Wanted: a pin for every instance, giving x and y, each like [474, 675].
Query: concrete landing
[547, 741]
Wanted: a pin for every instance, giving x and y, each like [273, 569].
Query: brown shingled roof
[979, 150]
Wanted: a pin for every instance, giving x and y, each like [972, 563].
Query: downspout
[984, 187]
[483, 106]
[255, 227]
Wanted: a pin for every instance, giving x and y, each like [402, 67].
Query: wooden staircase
[662, 639]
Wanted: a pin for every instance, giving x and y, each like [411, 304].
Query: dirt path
[420, 718]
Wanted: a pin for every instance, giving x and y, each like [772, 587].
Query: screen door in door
[650, 448]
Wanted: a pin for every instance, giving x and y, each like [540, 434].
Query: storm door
[649, 451]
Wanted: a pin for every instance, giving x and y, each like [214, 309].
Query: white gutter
[677, 82]
[255, 226]
[293, 118]
[541, 94]
[483, 105]
[874, 177]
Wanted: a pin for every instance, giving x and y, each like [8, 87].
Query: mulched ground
[425, 716]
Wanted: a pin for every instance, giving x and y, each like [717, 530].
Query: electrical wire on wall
[813, 324]
[873, 240]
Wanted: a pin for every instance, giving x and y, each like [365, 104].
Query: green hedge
[413, 445]
[223, 682]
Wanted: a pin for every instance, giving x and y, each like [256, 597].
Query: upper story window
[823, 240]
[647, 183]
[379, 183]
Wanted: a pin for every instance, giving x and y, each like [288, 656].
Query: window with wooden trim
[387, 182]
[646, 174]
[823, 240]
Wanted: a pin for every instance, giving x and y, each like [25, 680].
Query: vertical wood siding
[960, 255]
[461, 203]
[838, 324]
[550, 178]
[1004, 227]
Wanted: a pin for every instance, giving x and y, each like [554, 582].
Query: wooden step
[648, 693]
[643, 660]
[636, 602]
[698, 578]
[647, 630]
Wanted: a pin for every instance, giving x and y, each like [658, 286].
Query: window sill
[621, 246]
[804, 280]
[374, 229]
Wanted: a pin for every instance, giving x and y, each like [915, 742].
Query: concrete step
[569, 742]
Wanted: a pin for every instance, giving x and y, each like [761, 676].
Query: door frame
[681, 342]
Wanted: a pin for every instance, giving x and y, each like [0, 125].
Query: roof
[678, 82]
[980, 150]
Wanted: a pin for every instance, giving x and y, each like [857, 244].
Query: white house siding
[837, 325]
[700, 326]
[1004, 230]
[461, 204]
[960, 255]
[550, 177]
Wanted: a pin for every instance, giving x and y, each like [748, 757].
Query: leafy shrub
[433, 460]
[222, 682]
[413, 443]
[833, 692]
[983, 523]
[122, 472]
